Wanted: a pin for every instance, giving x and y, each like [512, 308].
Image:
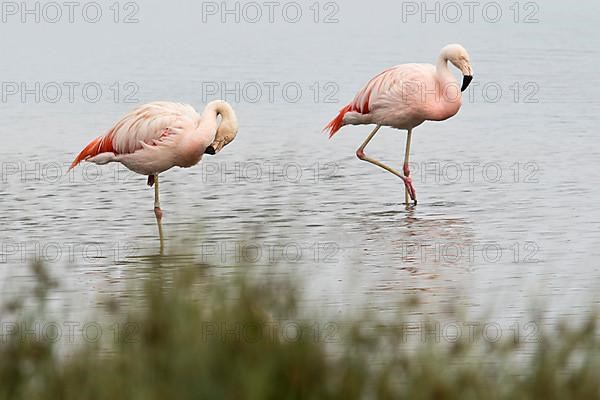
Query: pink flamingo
[405, 96]
[161, 135]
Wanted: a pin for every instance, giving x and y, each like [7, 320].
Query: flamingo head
[459, 57]
[227, 130]
[226, 133]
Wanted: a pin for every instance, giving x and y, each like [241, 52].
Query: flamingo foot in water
[408, 183]
[410, 189]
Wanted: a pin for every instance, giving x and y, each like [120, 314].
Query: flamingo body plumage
[159, 136]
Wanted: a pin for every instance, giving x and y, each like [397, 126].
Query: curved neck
[442, 63]
[442, 71]
[222, 108]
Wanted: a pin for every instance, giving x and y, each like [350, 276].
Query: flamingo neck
[228, 127]
[212, 111]
[444, 75]
[223, 109]
[442, 69]
[204, 133]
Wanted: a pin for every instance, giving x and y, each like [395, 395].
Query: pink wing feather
[146, 125]
[385, 87]
[362, 101]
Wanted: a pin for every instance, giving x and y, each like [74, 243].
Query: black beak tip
[210, 151]
[466, 82]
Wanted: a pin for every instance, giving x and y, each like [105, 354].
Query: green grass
[171, 346]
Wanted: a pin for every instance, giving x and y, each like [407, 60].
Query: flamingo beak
[466, 82]
[210, 150]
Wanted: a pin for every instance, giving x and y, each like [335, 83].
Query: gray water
[508, 189]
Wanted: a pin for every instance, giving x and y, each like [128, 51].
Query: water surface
[508, 189]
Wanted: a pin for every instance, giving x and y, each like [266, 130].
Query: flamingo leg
[409, 189]
[158, 213]
[360, 153]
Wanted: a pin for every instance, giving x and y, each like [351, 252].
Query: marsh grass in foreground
[176, 348]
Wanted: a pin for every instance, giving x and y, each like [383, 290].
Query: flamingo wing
[374, 89]
[149, 125]
[389, 87]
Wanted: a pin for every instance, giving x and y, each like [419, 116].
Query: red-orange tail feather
[102, 144]
[336, 124]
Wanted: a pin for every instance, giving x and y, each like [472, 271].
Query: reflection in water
[421, 245]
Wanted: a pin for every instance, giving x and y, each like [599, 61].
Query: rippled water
[508, 189]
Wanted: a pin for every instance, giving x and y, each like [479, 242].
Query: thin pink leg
[159, 214]
[360, 153]
[408, 182]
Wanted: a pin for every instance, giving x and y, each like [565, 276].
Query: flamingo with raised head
[405, 96]
[159, 136]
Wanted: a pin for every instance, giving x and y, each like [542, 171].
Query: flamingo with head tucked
[161, 135]
[405, 96]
